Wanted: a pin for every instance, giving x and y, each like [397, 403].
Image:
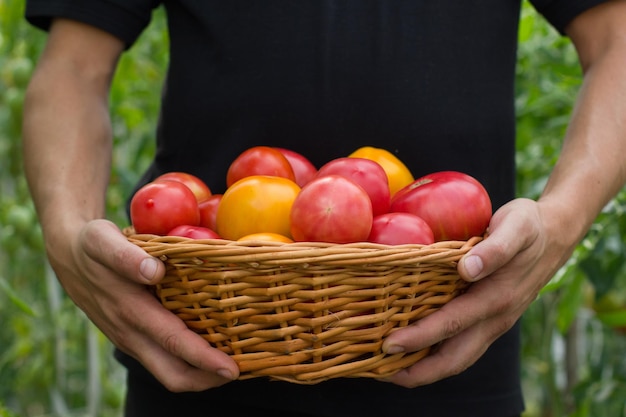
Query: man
[430, 81]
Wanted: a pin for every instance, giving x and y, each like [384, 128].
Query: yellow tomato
[266, 237]
[256, 204]
[398, 174]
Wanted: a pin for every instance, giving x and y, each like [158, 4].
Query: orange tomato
[398, 174]
[254, 204]
[266, 237]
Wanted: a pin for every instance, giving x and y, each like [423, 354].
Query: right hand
[107, 277]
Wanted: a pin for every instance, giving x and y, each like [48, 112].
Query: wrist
[565, 225]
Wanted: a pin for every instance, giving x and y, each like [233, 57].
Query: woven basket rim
[279, 253]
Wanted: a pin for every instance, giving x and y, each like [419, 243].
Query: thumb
[104, 243]
[488, 256]
[505, 239]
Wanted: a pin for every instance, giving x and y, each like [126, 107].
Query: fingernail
[393, 349]
[225, 373]
[148, 269]
[473, 266]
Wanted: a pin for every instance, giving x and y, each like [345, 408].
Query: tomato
[159, 206]
[265, 237]
[400, 228]
[259, 160]
[303, 169]
[332, 209]
[455, 205]
[208, 211]
[366, 173]
[195, 184]
[193, 232]
[398, 174]
[258, 203]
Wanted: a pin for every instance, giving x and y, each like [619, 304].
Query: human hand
[107, 278]
[508, 269]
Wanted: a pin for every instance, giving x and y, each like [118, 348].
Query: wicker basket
[305, 312]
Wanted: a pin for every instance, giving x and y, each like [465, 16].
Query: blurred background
[54, 363]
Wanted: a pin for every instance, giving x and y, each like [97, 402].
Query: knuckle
[504, 302]
[500, 251]
[175, 385]
[121, 255]
[503, 325]
[171, 343]
[459, 367]
[452, 327]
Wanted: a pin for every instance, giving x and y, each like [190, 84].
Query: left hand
[508, 269]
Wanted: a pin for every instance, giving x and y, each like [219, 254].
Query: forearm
[66, 127]
[592, 166]
[67, 143]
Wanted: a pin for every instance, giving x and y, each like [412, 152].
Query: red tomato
[160, 206]
[366, 173]
[208, 211]
[455, 205]
[303, 169]
[259, 160]
[400, 228]
[193, 232]
[332, 209]
[195, 184]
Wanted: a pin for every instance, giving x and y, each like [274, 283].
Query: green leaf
[605, 263]
[15, 299]
[526, 26]
[571, 300]
[613, 318]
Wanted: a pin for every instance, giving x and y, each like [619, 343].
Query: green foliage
[54, 362]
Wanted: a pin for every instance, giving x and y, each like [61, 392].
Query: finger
[482, 301]
[178, 357]
[104, 243]
[462, 332]
[428, 331]
[450, 358]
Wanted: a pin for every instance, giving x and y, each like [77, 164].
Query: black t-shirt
[431, 81]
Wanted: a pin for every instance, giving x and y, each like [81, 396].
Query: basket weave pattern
[305, 312]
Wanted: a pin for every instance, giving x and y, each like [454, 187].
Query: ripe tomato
[266, 237]
[366, 173]
[208, 211]
[258, 203]
[332, 209]
[158, 207]
[398, 174]
[303, 169]
[455, 205]
[195, 184]
[193, 232]
[400, 228]
[259, 160]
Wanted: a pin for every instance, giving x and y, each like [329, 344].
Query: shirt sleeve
[561, 12]
[125, 19]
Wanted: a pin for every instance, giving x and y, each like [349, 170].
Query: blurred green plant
[55, 363]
